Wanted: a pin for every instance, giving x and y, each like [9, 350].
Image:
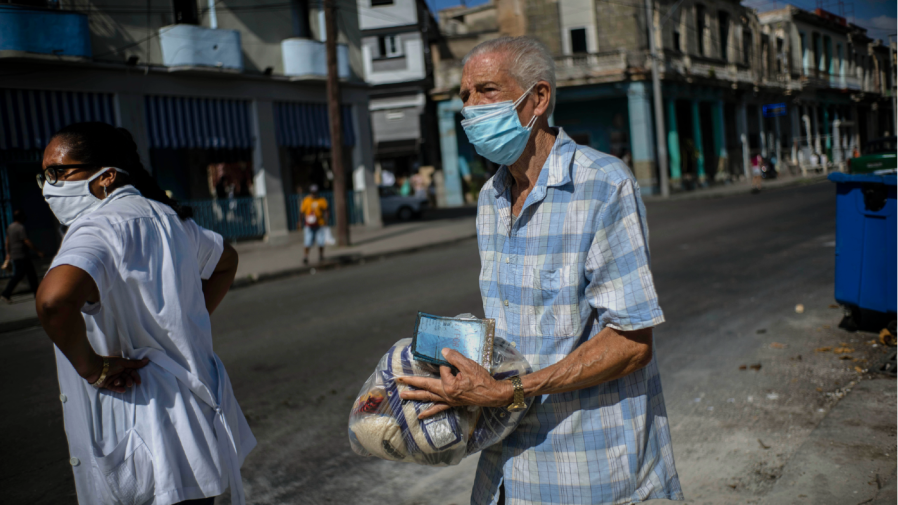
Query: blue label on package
[473, 338]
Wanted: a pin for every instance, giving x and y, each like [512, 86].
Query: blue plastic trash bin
[866, 241]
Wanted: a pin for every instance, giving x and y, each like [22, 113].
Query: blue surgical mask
[495, 130]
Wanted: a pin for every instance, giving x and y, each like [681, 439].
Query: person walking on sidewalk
[565, 273]
[17, 247]
[314, 212]
[757, 163]
[149, 411]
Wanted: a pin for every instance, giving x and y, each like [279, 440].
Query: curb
[702, 195]
[340, 261]
[253, 279]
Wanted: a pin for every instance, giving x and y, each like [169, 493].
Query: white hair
[529, 61]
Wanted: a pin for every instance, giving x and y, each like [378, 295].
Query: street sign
[775, 110]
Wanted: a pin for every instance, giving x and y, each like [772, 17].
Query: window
[723, 22]
[804, 53]
[700, 28]
[779, 55]
[840, 64]
[677, 45]
[746, 47]
[389, 46]
[815, 51]
[578, 40]
[381, 3]
[185, 12]
[827, 64]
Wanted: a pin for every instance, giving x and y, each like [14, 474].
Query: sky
[877, 16]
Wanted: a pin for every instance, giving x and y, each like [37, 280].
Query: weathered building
[397, 36]
[733, 84]
[226, 103]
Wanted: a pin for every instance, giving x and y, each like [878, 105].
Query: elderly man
[565, 273]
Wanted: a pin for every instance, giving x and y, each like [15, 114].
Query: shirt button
[506, 259]
[62, 398]
[506, 303]
[74, 462]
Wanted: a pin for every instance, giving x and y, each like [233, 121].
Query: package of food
[383, 425]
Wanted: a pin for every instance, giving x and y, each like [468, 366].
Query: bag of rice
[383, 425]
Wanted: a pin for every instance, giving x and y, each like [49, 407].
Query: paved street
[729, 272]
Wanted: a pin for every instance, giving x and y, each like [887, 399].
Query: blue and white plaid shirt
[574, 261]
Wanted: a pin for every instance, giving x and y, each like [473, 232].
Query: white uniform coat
[179, 435]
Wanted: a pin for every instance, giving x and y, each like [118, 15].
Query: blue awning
[300, 124]
[28, 118]
[199, 123]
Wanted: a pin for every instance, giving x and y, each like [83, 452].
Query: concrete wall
[117, 34]
[399, 13]
[543, 23]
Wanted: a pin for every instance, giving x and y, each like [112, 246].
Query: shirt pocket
[555, 298]
[127, 471]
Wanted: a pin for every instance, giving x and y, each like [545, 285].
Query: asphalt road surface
[298, 350]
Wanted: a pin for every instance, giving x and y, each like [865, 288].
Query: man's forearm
[610, 355]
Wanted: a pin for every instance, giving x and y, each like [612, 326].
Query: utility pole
[660, 146]
[892, 84]
[333, 110]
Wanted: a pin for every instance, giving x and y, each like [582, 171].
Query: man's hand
[473, 385]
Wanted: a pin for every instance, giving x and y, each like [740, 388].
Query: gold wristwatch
[518, 403]
[99, 382]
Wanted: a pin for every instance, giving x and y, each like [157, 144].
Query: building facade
[734, 84]
[227, 105]
[397, 36]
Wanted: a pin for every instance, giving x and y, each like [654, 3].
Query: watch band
[99, 382]
[518, 400]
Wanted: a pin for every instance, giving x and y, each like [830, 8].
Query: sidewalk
[261, 261]
[742, 187]
[849, 458]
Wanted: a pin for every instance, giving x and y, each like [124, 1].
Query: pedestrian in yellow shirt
[314, 215]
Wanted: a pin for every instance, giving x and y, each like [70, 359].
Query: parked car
[878, 155]
[403, 208]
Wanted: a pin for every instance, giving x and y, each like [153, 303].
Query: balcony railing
[197, 46]
[590, 65]
[43, 31]
[308, 58]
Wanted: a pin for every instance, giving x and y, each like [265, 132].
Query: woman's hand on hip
[122, 374]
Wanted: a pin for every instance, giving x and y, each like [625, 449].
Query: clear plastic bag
[383, 425]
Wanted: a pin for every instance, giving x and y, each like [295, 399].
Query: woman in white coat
[150, 415]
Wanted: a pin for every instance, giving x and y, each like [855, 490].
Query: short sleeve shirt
[316, 207]
[574, 261]
[148, 266]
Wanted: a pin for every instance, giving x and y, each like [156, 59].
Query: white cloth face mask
[70, 200]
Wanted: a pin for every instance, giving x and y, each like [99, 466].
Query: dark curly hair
[105, 145]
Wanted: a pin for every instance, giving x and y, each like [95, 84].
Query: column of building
[451, 194]
[267, 167]
[642, 136]
[719, 131]
[673, 145]
[697, 140]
